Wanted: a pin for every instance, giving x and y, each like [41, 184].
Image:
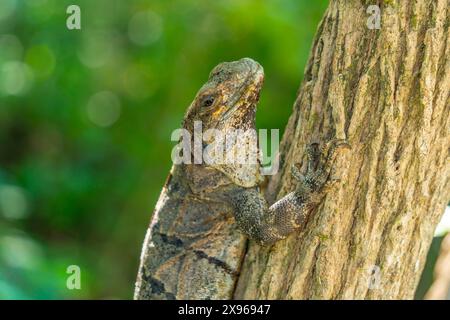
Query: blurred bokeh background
[86, 117]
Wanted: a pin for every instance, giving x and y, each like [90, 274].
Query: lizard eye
[208, 101]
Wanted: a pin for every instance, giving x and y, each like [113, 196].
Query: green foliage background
[75, 191]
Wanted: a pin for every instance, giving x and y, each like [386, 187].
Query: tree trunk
[387, 91]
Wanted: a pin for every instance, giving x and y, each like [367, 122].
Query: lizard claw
[313, 152]
[320, 165]
[330, 152]
[334, 145]
[295, 171]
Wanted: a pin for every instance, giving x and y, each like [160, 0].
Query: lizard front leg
[269, 224]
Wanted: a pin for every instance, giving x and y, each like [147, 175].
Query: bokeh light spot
[139, 82]
[20, 252]
[10, 48]
[15, 78]
[97, 49]
[103, 109]
[41, 59]
[145, 28]
[7, 7]
[13, 202]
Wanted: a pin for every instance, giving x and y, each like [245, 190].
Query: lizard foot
[320, 164]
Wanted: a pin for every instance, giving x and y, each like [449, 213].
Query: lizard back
[193, 248]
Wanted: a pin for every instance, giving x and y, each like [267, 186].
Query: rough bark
[387, 92]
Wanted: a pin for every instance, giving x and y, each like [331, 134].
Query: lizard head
[227, 103]
[229, 98]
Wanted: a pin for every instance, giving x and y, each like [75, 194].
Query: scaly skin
[198, 236]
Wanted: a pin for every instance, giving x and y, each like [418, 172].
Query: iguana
[206, 212]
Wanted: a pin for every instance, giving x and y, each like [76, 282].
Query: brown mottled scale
[194, 248]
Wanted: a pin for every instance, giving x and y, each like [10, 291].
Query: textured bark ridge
[387, 92]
